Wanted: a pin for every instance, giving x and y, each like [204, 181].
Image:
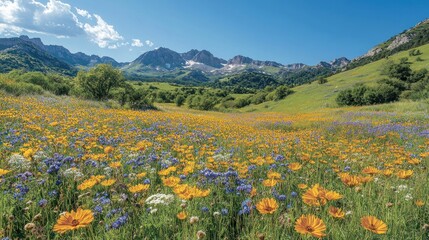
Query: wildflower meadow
[72, 169]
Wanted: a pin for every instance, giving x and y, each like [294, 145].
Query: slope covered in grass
[314, 96]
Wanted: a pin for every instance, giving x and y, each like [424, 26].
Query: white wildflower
[221, 157]
[160, 198]
[19, 162]
[73, 173]
[408, 197]
[108, 171]
[39, 155]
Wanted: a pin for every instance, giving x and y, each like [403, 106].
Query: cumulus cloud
[149, 43]
[136, 43]
[83, 13]
[103, 34]
[9, 31]
[54, 18]
[59, 19]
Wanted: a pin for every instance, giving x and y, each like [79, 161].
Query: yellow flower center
[309, 229]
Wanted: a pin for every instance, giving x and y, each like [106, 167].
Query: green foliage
[414, 52]
[403, 82]
[279, 93]
[179, 100]
[303, 76]
[99, 81]
[18, 88]
[401, 71]
[139, 100]
[322, 80]
[363, 95]
[420, 89]
[246, 82]
[19, 82]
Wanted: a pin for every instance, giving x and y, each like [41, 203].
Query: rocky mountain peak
[240, 60]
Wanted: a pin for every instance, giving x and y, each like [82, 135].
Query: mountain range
[163, 64]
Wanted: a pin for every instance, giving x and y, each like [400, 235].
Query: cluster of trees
[100, 83]
[245, 83]
[19, 82]
[403, 82]
[104, 82]
[304, 76]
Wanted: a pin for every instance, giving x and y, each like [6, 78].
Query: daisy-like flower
[270, 182]
[171, 181]
[115, 164]
[274, 175]
[310, 225]
[371, 170]
[182, 215]
[4, 172]
[107, 183]
[73, 220]
[267, 206]
[295, 166]
[336, 212]
[108, 149]
[373, 224]
[138, 188]
[141, 175]
[419, 203]
[405, 174]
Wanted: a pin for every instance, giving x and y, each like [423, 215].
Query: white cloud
[8, 10]
[149, 43]
[54, 18]
[83, 13]
[103, 34]
[8, 30]
[136, 43]
[61, 20]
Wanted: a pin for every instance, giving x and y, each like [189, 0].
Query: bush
[19, 88]
[279, 94]
[414, 52]
[258, 98]
[362, 95]
[180, 100]
[401, 71]
[322, 80]
[383, 93]
[139, 100]
[242, 102]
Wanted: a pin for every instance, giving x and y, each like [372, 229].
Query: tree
[322, 80]
[100, 80]
[401, 71]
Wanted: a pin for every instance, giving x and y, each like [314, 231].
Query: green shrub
[19, 88]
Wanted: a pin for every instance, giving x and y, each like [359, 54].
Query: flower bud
[29, 226]
[201, 234]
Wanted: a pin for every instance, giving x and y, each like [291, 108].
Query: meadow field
[73, 169]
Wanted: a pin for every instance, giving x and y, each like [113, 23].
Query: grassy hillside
[311, 97]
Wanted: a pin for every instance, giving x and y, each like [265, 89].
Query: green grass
[312, 97]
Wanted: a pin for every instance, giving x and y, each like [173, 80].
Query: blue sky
[283, 31]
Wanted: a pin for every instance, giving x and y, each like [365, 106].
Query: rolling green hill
[314, 96]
